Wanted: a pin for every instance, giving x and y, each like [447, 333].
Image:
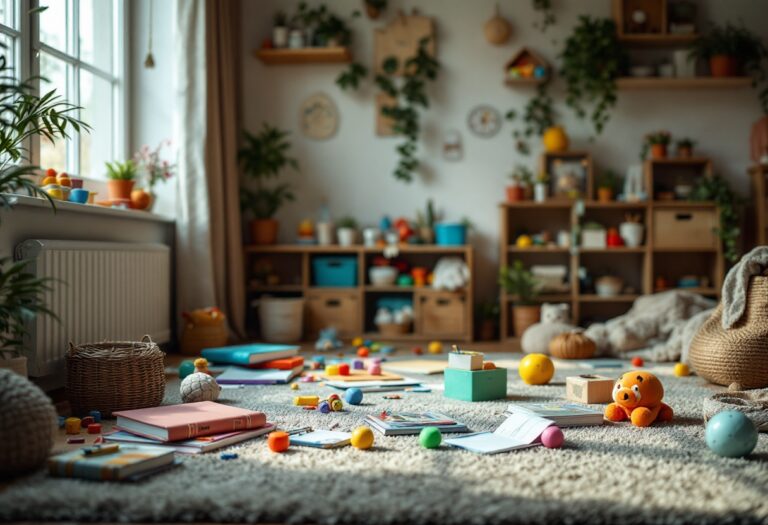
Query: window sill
[92, 209]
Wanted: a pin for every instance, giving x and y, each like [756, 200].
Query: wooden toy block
[476, 385]
[589, 388]
[465, 360]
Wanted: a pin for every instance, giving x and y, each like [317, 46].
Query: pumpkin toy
[572, 345]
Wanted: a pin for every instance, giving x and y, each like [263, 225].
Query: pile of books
[563, 414]
[256, 364]
[391, 424]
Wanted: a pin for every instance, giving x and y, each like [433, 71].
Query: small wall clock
[484, 121]
[319, 117]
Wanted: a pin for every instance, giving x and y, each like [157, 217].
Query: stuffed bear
[555, 320]
[637, 397]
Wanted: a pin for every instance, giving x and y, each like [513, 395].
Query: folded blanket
[736, 284]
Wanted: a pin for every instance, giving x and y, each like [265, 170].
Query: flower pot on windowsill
[515, 193]
[264, 231]
[604, 194]
[15, 364]
[723, 66]
[658, 151]
[523, 316]
[120, 189]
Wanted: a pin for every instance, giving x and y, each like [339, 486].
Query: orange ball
[637, 361]
[278, 441]
[363, 351]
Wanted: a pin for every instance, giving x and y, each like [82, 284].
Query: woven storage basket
[113, 376]
[739, 354]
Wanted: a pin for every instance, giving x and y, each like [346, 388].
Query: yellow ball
[357, 341]
[536, 369]
[524, 241]
[681, 370]
[435, 347]
[362, 438]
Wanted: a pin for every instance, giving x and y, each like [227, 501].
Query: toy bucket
[451, 234]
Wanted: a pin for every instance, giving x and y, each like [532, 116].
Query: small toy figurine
[637, 396]
[201, 365]
[328, 340]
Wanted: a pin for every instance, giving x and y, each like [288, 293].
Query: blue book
[124, 462]
[235, 375]
[249, 354]
[322, 439]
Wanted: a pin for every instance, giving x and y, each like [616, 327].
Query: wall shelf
[658, 40]
[309, 55]
[683, 83]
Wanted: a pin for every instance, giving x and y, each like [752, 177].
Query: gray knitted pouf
[753, 403]
[27, 424]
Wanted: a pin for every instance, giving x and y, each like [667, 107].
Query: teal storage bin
[476, 385]
[334, 272]
[450, 234]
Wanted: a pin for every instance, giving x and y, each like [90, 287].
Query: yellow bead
[681, 370]
[294, 386]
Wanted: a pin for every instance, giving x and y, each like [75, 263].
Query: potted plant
[488, 314]
[122, 177]
[632, 230]
[521, 178]
[606, 185]
[541, 187]
[155, 169]
[716, 189]
[346, 231]
[332, 31]
[685, 148]
[657, 143]
[520, 283]
[280, 30]
[425, 223]
[265, 157]
[374, 8]
[730, 50]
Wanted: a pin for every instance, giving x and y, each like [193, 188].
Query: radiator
[100, 291]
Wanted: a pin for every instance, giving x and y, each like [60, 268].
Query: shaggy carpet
[607, 474]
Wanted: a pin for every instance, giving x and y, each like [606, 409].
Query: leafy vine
[538, 115]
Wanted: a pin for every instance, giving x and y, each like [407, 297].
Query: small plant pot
[523, 316]
[632, 233]
[427, 235]
[280, 37]
[451, 234]
[264, 231]
[723, 66]
[346, 236]
[540, 192]
[120, 189]
[604, 194]
[16, 364]
[515, 193]
[658, 151]
[685, 152]
[325, 233]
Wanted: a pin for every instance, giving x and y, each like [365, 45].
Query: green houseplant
[122, 177]
[346, 231]
[23, 115]
[488, 316]
[264, 157]
[522, 178]
[685, 148]
[519, 282]
[607, 183]
[717, 189]
[657, 143]
[425, 222]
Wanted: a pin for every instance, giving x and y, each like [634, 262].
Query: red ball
[417, 350]
[363, 351]
[637, 361]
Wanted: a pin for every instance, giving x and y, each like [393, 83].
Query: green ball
[186, 368]
[430, 437]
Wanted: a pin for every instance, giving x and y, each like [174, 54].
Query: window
[76, 46]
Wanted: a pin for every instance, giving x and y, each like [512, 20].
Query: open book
[517, 431]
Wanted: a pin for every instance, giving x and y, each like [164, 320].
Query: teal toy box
[476, 385]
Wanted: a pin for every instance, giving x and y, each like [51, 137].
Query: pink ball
[552, 437]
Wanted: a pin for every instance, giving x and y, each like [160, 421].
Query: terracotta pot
[264, 231]
[658, 151]
[487, 330]
[685, 152]
[723, 66]
[604, 194]
[525, 316]
[120, 189]
[515, 193]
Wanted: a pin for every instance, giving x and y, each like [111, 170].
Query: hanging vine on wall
[544, 7]
[537, 116]
[717, 189]
[592, 60]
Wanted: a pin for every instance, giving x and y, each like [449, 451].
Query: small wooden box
[589, 388]
[685, 228]
[476, 385]
[338, 309]
[465, 360]
[441, 314]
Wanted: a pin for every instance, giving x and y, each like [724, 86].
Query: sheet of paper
[321, 438]
[486, 443]
[523, 427]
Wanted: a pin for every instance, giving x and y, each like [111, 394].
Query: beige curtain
[222, 54]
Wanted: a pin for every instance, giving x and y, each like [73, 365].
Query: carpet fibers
[613, 473]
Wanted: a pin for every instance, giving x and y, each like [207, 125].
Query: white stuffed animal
[451, 273]
[555, 320]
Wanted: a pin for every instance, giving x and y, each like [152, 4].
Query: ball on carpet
[199, 387]
[362, 438]
[362, 351]
[731, 434]
[353, 396]
[29, 422]
[536, 369]
[435, 347]
[637, 361]
[552, 437]
[681, 370]
[430, 437]
[186, 368]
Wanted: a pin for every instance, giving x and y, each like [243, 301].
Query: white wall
[352, 171]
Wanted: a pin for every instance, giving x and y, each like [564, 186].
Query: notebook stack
[391, 424]
[563, 414]
[256, 364]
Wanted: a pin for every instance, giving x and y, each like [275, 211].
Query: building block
[589, 388]
[476, 385]
[465, 360]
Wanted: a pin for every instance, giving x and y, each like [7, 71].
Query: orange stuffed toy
[637, 397]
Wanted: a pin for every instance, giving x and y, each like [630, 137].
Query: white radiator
[101, 291]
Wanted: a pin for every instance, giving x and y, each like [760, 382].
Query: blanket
[736, 284]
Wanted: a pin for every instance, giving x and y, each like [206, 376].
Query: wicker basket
[739, 354]
[394, 329]
[114, 376]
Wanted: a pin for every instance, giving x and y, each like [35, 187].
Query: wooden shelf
[698, 290]
[275, 288]
[615, 205]
[539, 249]
[658, 40]
[517, 82]
[594, 298]
[309, 55]
[614, 251]
[558, 204]
[546, 298]
[684, 250]
[691, 161]
[684, 204]
[335, 248]
[683, 83]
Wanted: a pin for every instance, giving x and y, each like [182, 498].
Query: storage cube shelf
[678, 241]
[335, 284]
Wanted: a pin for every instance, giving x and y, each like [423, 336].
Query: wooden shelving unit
[439, 314]
[760, 202]
[309, 55]
[658, 40]
[637, 266]
[639, 83]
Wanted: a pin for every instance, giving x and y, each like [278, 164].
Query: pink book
[187, 421]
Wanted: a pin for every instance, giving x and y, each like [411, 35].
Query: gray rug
[614, 473]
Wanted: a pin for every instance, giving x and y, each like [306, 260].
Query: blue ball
[731, 434]
[353, 396]
[185, 368]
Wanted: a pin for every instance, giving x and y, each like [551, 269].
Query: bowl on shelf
[382, 275]
[608, 286]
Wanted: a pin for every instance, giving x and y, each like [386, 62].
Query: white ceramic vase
[280, 37]
[632, 233]
[540, 192]
[371, 237]
[325, 233]
[346, 236]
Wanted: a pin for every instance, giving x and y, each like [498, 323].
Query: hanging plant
[537, 116]
[409, 95]
[592, 60]
[351, 77]
[544, 8]
[716, 189]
